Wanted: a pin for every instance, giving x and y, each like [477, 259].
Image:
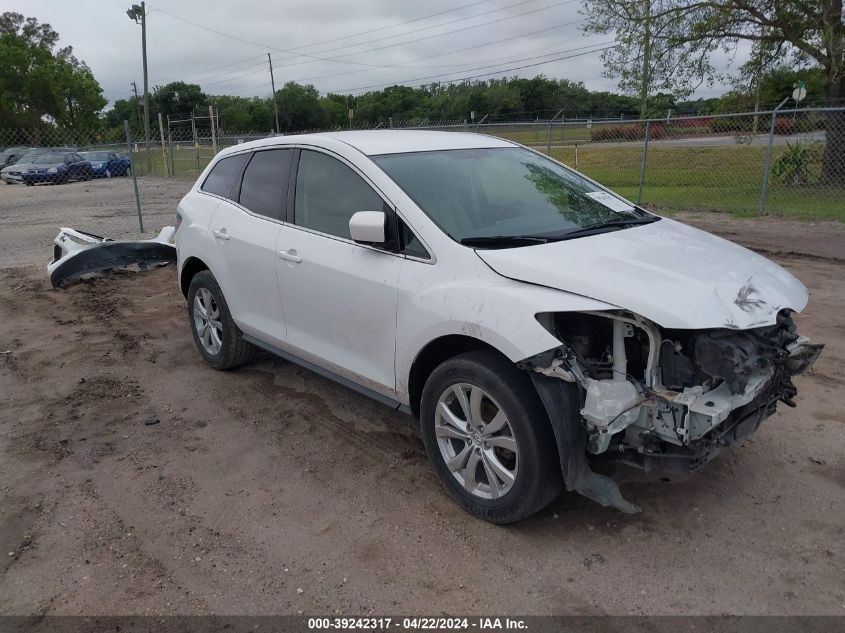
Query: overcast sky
[336, 45]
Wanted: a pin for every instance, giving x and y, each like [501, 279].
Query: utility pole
[273, 86]
[138, 13]
[137, 102]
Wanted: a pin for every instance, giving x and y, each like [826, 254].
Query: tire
[232, 351]
[537, 479]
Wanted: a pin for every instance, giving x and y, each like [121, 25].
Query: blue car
[57, 168]
[107, 164]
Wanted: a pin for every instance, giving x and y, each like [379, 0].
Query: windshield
[504, 192]
[46, 159]
[26, 158]
[95, 155]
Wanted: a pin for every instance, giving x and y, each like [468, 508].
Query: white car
[13, 174]
[536, 323]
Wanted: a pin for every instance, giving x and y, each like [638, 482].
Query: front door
[340, 297]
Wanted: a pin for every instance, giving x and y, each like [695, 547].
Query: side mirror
[368, 227]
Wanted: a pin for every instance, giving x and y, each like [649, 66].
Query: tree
[79, 97]
[178, 97]
[299, 107]
[646, 59]
[39, 86]
[805, 32]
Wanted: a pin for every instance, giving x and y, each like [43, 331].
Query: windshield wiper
[503, 241]
[601, 227]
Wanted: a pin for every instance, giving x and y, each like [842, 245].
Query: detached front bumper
[76, 253]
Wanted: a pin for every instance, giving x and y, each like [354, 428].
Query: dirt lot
[135, 480]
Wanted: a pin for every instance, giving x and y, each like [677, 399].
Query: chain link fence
[785, 163]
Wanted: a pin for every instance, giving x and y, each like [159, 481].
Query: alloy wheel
[476, 441]
[207, 321]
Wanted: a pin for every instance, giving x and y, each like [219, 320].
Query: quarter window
[328, 193]
[221, 179]
[411, 245]
[265, 182]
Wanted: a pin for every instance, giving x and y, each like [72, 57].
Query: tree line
[301, 107]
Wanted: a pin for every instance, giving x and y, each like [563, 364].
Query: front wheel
[218, 339]
[489, 437]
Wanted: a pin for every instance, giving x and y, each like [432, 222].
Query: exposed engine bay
[667, 400]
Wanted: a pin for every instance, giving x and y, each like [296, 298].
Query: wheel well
[191, 268]
[437, 351]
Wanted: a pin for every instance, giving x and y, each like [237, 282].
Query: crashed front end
[658, 399]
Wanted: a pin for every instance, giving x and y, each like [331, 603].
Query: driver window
[328, 193]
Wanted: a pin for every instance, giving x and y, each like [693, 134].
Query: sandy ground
[136, 480]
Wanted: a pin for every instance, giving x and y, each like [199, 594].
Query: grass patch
[721, 178]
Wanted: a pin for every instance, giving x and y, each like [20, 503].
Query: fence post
[642, 165]
[478, 125]
[213, 131]
[170, 148]
[768, 162]
[163, 147]
[549, 135]
[196, 143]
[134, 171]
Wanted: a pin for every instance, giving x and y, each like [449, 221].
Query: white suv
[536, 323]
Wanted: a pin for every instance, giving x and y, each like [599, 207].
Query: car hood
[17, 166]
[671, 273]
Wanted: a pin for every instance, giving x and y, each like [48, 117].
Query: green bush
[792, 167]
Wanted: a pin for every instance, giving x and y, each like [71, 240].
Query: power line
[471, 77]
[314, 57]
[495, 72]
[427, 28]
[337, 39]
[391, 26]
[404, 64]
[213, 70]
[452, 52]
[436, 35]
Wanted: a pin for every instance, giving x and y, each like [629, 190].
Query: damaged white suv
[536, 323]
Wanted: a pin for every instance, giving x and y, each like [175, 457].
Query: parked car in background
[107, 164]
[57, 168]
[11, 154]
[536, 323]
[11, 174]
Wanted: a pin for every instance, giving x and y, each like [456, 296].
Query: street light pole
[138, 13]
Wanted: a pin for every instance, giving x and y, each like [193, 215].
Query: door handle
[221, 233]
[290, 256]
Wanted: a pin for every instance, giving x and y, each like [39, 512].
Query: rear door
[244, 228]
[340, 297]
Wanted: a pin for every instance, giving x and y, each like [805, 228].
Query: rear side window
[221, 179]
[328, 193]
[265, 182]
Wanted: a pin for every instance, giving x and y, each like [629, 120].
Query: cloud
[310, 42]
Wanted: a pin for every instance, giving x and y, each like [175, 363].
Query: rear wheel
[218, 339]
[489, 437]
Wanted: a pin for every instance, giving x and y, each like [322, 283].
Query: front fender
[495, 310]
